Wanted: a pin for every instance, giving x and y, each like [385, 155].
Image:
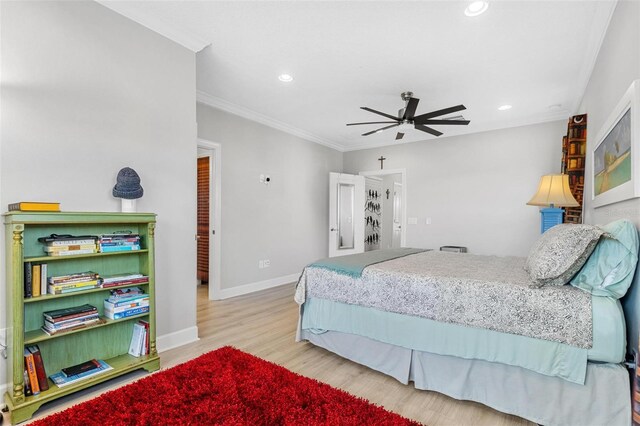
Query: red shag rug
[229, 387]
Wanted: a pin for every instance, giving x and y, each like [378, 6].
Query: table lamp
[553, 192]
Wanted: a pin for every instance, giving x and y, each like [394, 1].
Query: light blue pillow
[610, 268]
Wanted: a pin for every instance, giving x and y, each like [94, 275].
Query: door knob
[333, 229]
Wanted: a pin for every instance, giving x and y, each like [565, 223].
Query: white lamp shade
[554, 190]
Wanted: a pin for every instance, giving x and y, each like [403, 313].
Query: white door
[346, 214]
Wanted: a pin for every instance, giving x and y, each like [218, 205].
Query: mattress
[542, 356]
[488, 292]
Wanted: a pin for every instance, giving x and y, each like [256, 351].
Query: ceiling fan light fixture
[476, 8]
[504, 107]
[285, 78]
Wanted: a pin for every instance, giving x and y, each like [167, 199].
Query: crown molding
[594, 44]
[173, 32]
[219, 103]
[561, 114]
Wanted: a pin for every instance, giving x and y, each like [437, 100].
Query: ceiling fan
[407, 119]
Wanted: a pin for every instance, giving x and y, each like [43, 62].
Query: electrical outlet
[260, 264]
[266, 263]
[428, 221]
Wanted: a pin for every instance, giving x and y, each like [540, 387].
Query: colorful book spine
[35, 278]
[41, 373]
[112, 249]
[126, 302]
[27, 280]
[43, 278]
[31, 371]
[127, 314]
[72, 252]
[125, 308]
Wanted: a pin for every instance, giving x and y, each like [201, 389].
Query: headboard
[631, 307]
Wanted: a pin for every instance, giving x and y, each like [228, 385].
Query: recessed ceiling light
[555, 107]
[504, 107]
[476, 8]
[285, 78]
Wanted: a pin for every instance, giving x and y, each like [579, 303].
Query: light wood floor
[263, 324]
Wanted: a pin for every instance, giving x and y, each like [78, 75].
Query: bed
[543, 337]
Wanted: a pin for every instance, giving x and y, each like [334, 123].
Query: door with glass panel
[346, 214]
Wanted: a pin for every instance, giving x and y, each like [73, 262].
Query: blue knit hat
[128, 185]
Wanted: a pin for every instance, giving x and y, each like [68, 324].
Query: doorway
[385, 209]
[208, 217]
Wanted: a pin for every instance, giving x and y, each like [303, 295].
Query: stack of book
[74, 282]
[69, 319]
[35, 376]
[124, 303]
[66, 245]
[119, 242]
[78, 372]
[35, 279]
[124, 279]
[140, 339]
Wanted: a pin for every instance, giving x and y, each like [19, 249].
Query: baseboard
[177, 338]
[226, 293]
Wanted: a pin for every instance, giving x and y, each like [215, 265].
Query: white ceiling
[348, 54]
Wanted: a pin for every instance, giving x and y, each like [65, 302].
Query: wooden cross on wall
[381, 160]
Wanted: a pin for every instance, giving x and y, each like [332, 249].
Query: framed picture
[615, 167]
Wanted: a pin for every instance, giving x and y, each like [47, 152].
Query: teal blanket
[353, 264]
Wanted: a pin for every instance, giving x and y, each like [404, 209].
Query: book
[111, 249]
[146, 335]
[27, 280]
[41, 373]
[121, 277]
[81, 368]
[144, 280]
[35, 278]
[69, 247]
[137, 338]
[61, 380]
[126, 314]
[31, 371]
[64, 239]
[70, 322]
[43, 278]
[129, 301]
[34, 206]
[57, 313]
[75, 327]
[65, 290]
[119, 309]
[72, 252]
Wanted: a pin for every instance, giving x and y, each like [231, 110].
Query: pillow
[610, 268]
[560, 252]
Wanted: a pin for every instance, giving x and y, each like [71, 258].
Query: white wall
[287, 221]
[618, 64]
[86, 92]
[473, 187]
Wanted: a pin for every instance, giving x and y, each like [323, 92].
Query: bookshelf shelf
[78, 293]
[37, 336]
[108, 341]
[82, 256]
[121, 364]
[574, 146]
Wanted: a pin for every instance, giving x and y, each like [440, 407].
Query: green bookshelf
[108, 341]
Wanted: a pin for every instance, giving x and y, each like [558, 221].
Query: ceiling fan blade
[444, 122]
[370, 122]
[381, 129]
[380, 113]
[399, 136]
[421, 118]
[410, 111]
[427, 129]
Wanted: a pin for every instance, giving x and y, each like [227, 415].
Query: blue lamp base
[551, 216]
